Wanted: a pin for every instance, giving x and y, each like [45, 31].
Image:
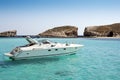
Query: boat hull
[36, 53]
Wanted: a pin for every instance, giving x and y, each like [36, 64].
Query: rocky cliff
[63, 31]
[8, 33]
[112, 30]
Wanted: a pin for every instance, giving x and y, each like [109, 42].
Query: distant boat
[41, 49]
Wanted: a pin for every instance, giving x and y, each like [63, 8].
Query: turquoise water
[99, 59]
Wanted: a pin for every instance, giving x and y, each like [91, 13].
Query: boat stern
[77, 45]
[81, 45]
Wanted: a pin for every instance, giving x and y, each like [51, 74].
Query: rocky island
[11, 33]
[112, 30]
[63, 31]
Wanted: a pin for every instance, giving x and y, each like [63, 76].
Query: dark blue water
[99, 59]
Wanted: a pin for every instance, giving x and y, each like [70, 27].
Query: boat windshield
[31, 41]
[44, 41]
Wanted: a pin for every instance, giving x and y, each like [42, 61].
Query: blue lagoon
[99, 59]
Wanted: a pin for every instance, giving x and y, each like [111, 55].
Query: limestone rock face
[63, 31]
[8, 33]
[112, 30]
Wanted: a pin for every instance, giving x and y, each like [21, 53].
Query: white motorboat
[41, 49]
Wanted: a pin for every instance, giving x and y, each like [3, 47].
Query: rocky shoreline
[104, 31]
[34, 36]
[10, 33]
[62, 31]
[112, 30]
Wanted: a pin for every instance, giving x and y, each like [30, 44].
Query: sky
[31, 17]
